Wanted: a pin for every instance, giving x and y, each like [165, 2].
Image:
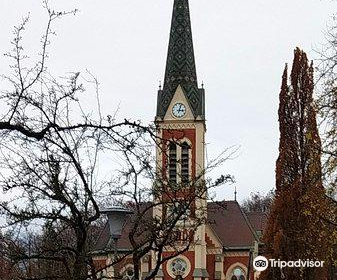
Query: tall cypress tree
[295, 228]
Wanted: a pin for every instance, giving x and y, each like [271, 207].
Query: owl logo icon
[260, 263]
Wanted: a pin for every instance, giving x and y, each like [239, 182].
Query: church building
[226, 244]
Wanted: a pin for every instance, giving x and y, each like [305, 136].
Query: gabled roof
[226, 219]
[230, 224]
[180, 64]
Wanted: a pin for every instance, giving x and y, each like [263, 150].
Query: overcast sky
[241, 47]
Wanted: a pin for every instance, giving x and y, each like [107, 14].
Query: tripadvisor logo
[260, 263]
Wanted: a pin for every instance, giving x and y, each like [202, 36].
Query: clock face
[179, 110]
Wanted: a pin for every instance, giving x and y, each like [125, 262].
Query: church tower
[180, 120]
[222, 240]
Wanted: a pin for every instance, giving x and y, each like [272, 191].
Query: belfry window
[173, 163]
[185, 163]
[179, 163]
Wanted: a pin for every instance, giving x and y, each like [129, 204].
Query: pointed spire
[180, 64]
[235, 194]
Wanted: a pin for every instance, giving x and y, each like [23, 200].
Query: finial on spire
[235, 193]
[202, 84]
[159, 85]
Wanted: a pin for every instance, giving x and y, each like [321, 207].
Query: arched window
[185, 163]
[173, 163]
[179, 163]
[238, 274]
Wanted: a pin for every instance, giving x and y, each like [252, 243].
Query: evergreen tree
[296, 228]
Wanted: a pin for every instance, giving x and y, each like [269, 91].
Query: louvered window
[185, 163]
[173, 163]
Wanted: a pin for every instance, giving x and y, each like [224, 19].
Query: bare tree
[327, 104]
[50, 151]
[258, 202]
[52, 154]
[7, 269]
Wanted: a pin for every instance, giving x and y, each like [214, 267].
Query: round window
[129, 274]
[178, 267]
[238, 274]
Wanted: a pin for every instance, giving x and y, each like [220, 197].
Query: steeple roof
[180, 64]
